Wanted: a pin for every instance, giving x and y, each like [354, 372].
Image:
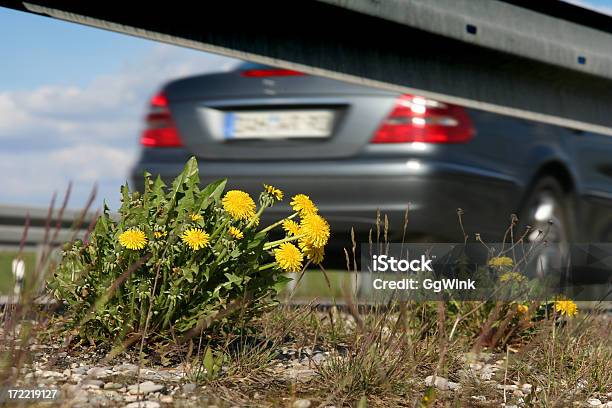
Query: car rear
[354, 150]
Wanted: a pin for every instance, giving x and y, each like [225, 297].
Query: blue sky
[603, 6]
[32, 41]
[72, 100]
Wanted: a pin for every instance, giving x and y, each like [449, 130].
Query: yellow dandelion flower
[133, 239]
[500, 261]
[315, 229]
[235, 232]
[511, 276]
[302, 204]
[274, 192]
[160, 234]
[289, 257]
[291, 227]
[315, 255]
[566, 308]
[196, 217]
[522, 309]
[239, 205]
[195, 238]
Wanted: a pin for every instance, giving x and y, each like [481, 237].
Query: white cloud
[54, 134]
[91, 162]
[35, 176]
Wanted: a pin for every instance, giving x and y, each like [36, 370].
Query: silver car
[355, 150]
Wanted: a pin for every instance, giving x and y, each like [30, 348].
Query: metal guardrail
[542, 60]
[37, 230]
[43, 227]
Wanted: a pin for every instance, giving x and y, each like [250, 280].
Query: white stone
[52, 374]
[486, 375]
[453, 386]
[92, 384]
[76, 378]
[98, 372]
[126, 368]
[80, 370]
[440, 383]
[145, 388]
[301, 403]
[112, 386]
[594, 402]
[143, 404]
[507, 387]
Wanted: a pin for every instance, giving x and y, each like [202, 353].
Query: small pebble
[301, 403]
[143, 404]
[507, 387]
[98, 372]
[112, 386]
[145, 388]
[440, 383]
[453, 386]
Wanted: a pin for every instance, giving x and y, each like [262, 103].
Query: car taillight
[260, 73]
[416, 119]
[160, 129]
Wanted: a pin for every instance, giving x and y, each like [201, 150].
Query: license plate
[279, 124]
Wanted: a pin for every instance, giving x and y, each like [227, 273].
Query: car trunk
[231, 116]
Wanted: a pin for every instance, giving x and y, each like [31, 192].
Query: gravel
[84, 381]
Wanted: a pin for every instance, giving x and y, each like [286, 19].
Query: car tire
[549, 214]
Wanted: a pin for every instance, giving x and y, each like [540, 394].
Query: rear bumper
[350, 192]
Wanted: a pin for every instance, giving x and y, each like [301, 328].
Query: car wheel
[548, 212]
